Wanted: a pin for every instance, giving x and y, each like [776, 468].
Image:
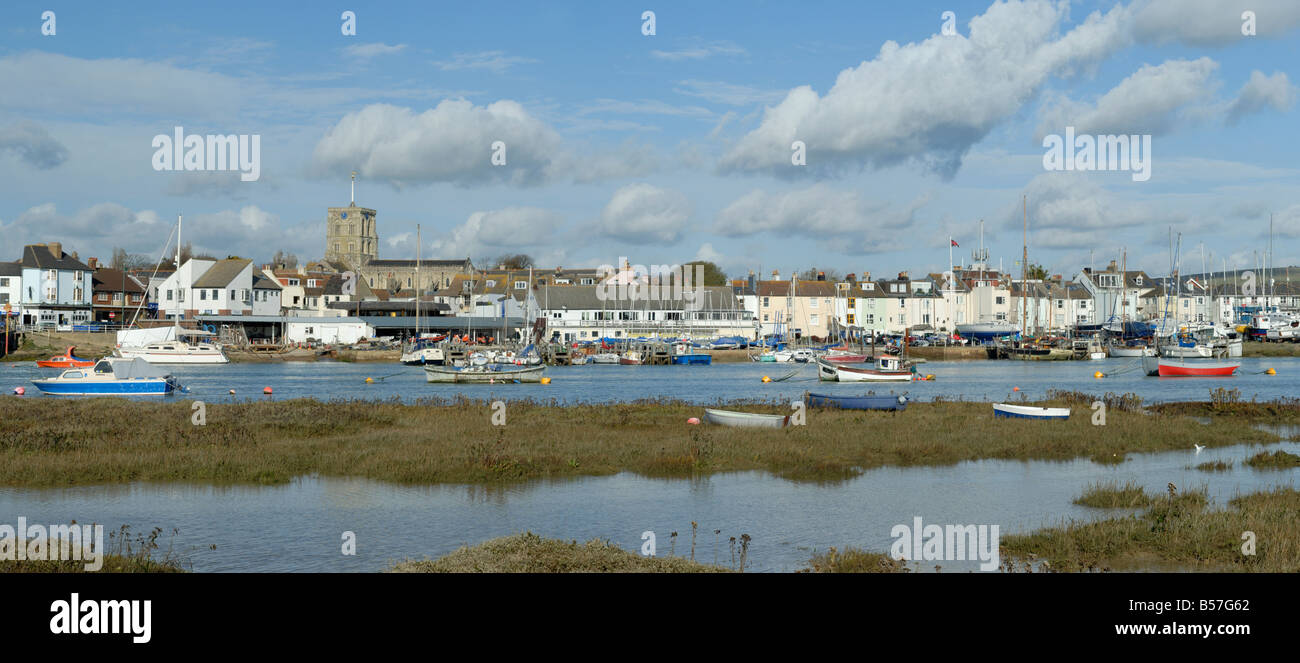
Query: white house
[11, 287]
[266, 296]
[56, 287]
[577, 312]
[174, 293]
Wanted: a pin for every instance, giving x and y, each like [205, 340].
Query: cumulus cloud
[1262, 92]
[839, 219]
[1073, 211]
[1287, 222]
[513, 228]
[1150, 101]
[645, 214]
[33, 144]
[1210, 22]
[928, 102]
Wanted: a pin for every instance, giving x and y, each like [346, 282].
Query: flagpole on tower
[354, 188]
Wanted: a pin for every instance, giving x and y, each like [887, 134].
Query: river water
[299, 526]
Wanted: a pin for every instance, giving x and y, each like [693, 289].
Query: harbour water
[969, 380]
[299, 526]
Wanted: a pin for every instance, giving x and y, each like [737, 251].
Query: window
[521, 285]
[850, 318]
[232, 294]
[853, 303]
[203, 295]
[764, 317]
[765, 302]
[215, 294]
[813, 318]
[4, 283]
[588, 281]
[812, 303]
[1137, 280]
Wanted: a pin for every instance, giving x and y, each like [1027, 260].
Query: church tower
[351, 236]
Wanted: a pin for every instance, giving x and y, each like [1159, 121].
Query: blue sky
[660, 148]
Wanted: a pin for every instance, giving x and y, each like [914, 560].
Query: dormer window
[1137, 280]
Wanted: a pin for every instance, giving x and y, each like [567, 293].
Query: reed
[1112, 495]
[1278, 460]
[124, 553]
[1215, 466]
[57, 442]
[1177, 532]
[530, 553]
[854, 560]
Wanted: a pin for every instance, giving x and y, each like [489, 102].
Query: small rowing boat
[890, 402]
[1027, 412]
[746, 419]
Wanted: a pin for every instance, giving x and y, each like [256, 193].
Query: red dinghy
[66, 360]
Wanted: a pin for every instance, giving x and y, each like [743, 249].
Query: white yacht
[177, 351]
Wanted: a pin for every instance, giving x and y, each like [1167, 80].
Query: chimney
[776, 275]
[1112, 267]
[56, 248]
[92, 262]
[850, 278]
[821, 276]
[866, 276]
[902, 276]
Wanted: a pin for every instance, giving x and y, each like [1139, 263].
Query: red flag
[954, 242]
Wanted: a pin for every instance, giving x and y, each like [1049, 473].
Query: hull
[764, 358]
[446, 374]
[1182, 369]
[985, 331]
[856, 402]
[604, 359]
[745, 419]
[137, 387]
[701, 360]
[64, 362]
[1026, 412]
[192, 356]
[1131, 351]
[1178, 351]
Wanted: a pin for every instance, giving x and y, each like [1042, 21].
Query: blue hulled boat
[890, 402]
[111, 376]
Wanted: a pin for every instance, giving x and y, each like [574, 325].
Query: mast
[418, 242]
[1024, 267]
[179, 309]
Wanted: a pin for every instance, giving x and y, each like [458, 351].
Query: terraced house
[56, 286]
[797, 308]
[118, 295]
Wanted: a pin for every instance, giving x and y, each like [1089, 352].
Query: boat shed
[292, 329]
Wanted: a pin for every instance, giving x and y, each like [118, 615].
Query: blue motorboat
[683, 353]
[111, 376]
[890, 402]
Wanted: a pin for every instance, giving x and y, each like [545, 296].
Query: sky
[916, 125]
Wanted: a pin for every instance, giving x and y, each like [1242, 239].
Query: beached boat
[1164, 367]
[890, 402]
[887, 368]
[111, 376]
[745, 419]
[1028, 412]
[484, 374]
[66, 360]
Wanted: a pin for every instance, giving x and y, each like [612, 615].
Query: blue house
[56, 286]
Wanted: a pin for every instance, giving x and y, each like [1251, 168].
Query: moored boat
[1164, 367]
[484, 374]
[111, 376]
[604, 358]
[846, 356]
[683, 353]
[66, 360]
[1029, 412]
[890, 402]
[745, 419]
[630, 358]
[887, 368]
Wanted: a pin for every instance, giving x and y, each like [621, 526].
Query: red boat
[1166, 367]
[66, 360]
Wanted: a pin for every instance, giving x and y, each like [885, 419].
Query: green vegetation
[122, 554]
[1278, 460]
[58, 442]
[1178, 532]
[853, 560]
[1111, 495]
[530, 553]
[1214, 466]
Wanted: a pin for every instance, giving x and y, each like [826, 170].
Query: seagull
[1198, 447]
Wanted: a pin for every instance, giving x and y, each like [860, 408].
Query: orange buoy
[266, 390]
[1015, 389]
[694, 421]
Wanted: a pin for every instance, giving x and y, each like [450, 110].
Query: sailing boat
[176, 350]
[1118, 348]
[1164, 364]
[420, 351]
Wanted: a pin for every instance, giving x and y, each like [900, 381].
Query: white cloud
[494, 61]
[700, 52]
[1262, 92]
[511, 229]
[1287, 222]
[1211, 22]
[367, 51]
[1147, 102]
[928, 102]
[645, 214]
[838, 219]
[728, 93]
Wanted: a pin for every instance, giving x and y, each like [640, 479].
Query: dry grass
[1178, 532]
[59, 442]
[530, 553]
[1215, 466]
[123, 553]
[1111, 495]
[853, 560]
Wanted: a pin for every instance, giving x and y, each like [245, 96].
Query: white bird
[1198, 447]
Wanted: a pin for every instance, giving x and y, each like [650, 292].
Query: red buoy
[266, 390]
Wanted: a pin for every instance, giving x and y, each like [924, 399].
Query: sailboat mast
[179, 219]
[418, 242]
[1024, 267]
